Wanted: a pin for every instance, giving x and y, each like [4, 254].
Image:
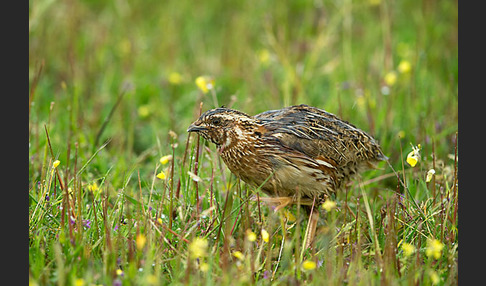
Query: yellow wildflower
[159, 220]
[79, 282]
[205, 83]
[250, 235]
[56, 163]
[238, 255]
[152, 280]
[309, 265]
[264, 56]
[165, 159]
[125, 47]
[161, 175]
[414, 156]
[430, 174]
[265, 235]
[140, 241]
[198, 247]
[434, 277]
[412, 160]
[119, 272]
[361, 102]
[434, 248]
[175, 78]
[204, 267]
[93, 187]
[404, 66]
[143, 111]
[390, 78]
[408, 249]
[289, 216]
[328, 205]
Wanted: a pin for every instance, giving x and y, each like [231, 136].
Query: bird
[296, 155]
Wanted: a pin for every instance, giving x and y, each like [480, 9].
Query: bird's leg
[301, 201]
[310, 232]
[281, 201]
[285, 201]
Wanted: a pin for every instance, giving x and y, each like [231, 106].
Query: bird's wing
[319, 134]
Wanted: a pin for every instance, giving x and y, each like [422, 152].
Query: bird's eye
[216, 121]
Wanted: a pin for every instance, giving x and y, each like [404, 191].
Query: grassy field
[120, 194]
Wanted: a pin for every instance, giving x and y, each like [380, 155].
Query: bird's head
[221, 125]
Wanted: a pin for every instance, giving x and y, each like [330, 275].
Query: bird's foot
[284, 201]
[302, 201]
[280, 201]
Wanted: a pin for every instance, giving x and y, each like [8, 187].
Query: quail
[298, 154]
[297, 149]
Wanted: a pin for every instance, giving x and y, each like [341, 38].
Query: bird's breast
[246, 160]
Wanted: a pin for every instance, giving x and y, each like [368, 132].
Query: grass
[112, 90]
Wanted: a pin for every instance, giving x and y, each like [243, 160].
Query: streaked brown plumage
[295, 150]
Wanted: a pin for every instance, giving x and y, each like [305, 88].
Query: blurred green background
[263, 55]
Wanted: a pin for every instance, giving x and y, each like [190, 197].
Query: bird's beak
[195, 128]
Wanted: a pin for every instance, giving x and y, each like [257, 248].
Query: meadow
[121, 194]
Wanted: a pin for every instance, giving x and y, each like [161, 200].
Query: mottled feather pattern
[295, 150]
